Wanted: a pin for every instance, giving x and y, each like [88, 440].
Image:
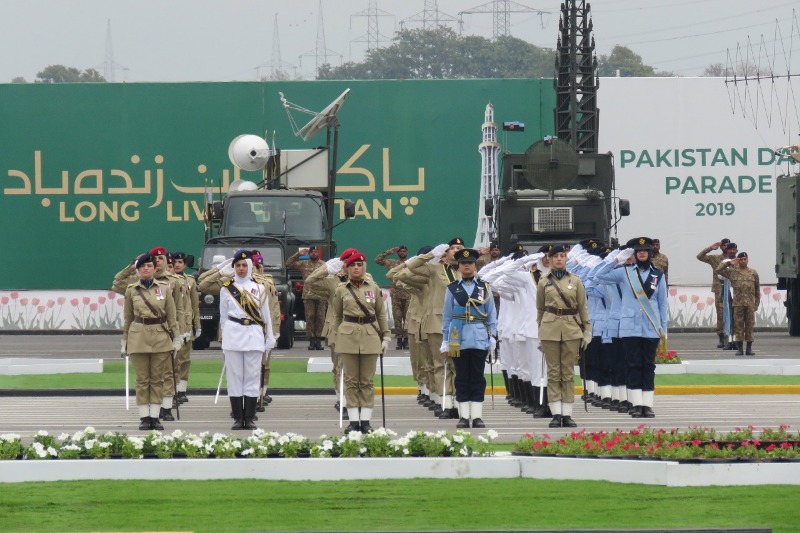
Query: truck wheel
[286, 340]
[793, 307]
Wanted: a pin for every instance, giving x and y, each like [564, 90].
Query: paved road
[313, 416]
[690, 346]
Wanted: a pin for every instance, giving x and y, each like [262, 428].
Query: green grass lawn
[418, 504]
[292, 374]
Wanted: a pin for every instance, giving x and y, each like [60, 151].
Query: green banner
[94, 174]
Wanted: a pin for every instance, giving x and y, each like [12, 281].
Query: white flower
[327, 445]
[483, 439]
[445, 441]
[52, 451]
[78, 436]
[89, 444]
[10, 437]
[283, 440]
[298, 438]
[89, 430]
[354, 436]
[492, 434]
[406, 451]
[237, 444]
[63, 437]
[362, 450]
[463, 451]
[247, 452]
[177, 434]
[42, 433]
[458, 438]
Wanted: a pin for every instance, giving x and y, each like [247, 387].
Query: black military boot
[250, 412]
[739, 348]
[405, 343]
[399, 344]
[155, 424]
[508, 386]
[312, 343]
[449, 413]
[144, 423]
[366, 427]
[543, 410]
[238, 412]
[721, 341]
[516, 385]
[555, 422]
[320, 346]
[182, 398]
[354, 426]
[462, 423]
[166, 415]
[568, 422]
[749, 350]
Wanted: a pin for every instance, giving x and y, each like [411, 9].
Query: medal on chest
[369, 296]
[159, 294]
[653, 282]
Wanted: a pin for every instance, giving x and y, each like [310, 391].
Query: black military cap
[604, 251]
[544, 249]
[312, 248]
[732, 245]
[145, 258]
[242, 254]
[640, 243]
[493, 245]
[556, 249]
[724, 241]
[656, 241]
[179, 255]
[595, 248]
[467, 255]
[587, 243]
[456, 240]
[742, 254]
[402, 247]
[424, 250]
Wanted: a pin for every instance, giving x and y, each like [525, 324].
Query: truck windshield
[298, 217]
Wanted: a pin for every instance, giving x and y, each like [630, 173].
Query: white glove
[726, 260]
[624, 255]
[226, 268]
[593, 261]
[492, 345]
[445, 347]
[612, 254]
[186, 337]
[587, 338]
[385, 344]
[176, 343]
[334, 265]
[440, 250]
[198, 333]
[269, 343]
[123, 347]
[533, 257]
[574, 251]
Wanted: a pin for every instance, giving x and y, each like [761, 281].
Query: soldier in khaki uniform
[189, 323]
[746, 298]
[716, 286]
[564, 329]
[401, 298]
[149, 335]
[268, 282]
[438, 266]
[660, 260]
[419, 352]
[314, 304]
[362, 334]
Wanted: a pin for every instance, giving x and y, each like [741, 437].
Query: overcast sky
[226, 40]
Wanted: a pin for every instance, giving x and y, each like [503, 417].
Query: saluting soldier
[660, 260]
[469, 329]
[362, 333]
[716, 287]
[564, 328]
[264, 279]
[246, 334]
[400, 296]
[149, 335]
[644, 319]
[438, 266]
[190, 323]
[746, 298]
[314, 304]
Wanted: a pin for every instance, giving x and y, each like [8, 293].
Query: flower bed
[670, 358]
[380, 443]
[697, 443]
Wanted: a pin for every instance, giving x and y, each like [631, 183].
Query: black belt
[360, 319]
[149, 321]
[244, 321]
[470, 318]
[561, 312]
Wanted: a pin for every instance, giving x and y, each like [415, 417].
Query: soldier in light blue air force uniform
[469, 329]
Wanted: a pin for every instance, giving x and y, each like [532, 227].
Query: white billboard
[695, 168]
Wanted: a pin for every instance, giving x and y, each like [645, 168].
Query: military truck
[552, 194]
[787, 244]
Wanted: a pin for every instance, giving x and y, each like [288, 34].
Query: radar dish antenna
[322, 120]
[551, 164]
[249, 152]
[242, 185]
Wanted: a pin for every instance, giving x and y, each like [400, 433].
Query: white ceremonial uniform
[244, 345]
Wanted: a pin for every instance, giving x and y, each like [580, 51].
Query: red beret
[355, 256]
[347, 253]
[158, 250]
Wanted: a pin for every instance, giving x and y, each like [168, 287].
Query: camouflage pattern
[661, 262]
[306, 267]
[716, 285]
[746, 298]
[401, 298]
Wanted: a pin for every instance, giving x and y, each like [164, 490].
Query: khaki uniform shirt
[745, 284]
[434, 291]
[554, 327]
[354, 338]
[149, 338]
[306, 267]
[413, 284]
[124, 278]
[714, 261]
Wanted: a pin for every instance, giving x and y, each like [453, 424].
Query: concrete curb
[503, 466]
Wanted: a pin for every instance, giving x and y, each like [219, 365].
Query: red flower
[14, 295]
[682, 298]
[770, 447]
[35, 301]
[766, 290]
[51, 303]
[93, 307]
[61, 300]
[23, 301]
[697, 443]
[710, 301]
[74, 302]
[695, 298]
[101, 300]
[701, 306]
[4, 300]
[786, 445]
[112, 295]
[673, 291]
[86, 300]
[40, 309]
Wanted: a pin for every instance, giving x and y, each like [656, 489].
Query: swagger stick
[175, 401]
[127, 383]
[219, 385]
[582, 355]
[383, 393]
[341, 397]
